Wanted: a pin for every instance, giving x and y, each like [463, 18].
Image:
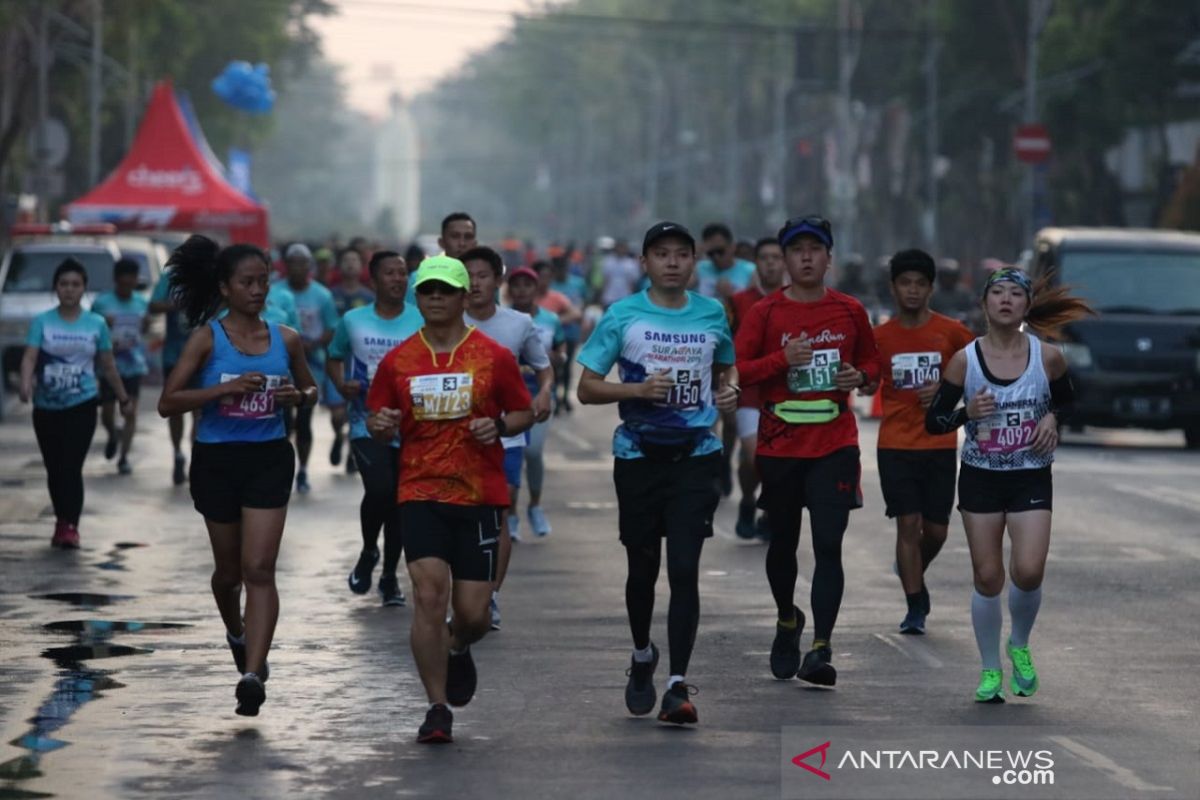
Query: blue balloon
[245, 87]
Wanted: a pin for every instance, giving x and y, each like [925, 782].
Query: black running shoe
[745, 521]
[179, 474]
[461, 678]
[677, 705]
[250, 695]
[335, 452]
[110, 449]
[389, 590]
[436, 727]
[818, 667]
[639, 692]
[785, 650]
[360, 578]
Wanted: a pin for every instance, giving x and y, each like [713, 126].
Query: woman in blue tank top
[240, 373]
[1016, 389]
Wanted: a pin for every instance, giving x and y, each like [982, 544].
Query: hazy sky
[384, 45]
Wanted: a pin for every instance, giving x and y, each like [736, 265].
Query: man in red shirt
[807, 347]
[916, 468]
[451, 393]
[768, 258]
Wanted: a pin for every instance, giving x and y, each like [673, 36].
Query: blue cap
[813, 225]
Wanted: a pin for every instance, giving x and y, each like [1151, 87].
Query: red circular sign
[1032, 143]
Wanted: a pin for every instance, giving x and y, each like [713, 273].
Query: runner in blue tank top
[1017, 390]
[363, 337]
[240, 372]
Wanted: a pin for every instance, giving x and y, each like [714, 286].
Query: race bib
[441, 397]
[250, 405]
[62, 377]
[1006, 431]
[685, 389]
[914, 370]
[310, 322]
[126, 332]
[819, 375]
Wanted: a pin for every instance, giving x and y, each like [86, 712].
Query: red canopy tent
[166, 183]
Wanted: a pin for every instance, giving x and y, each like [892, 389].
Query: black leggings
[377, 464]
[683, 613]
[828, 527]
[64, 438]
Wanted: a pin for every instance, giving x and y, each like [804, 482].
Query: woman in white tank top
[1015, 388]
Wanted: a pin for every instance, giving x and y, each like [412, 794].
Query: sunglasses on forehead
[814, 220]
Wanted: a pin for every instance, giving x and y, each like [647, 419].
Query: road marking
[560, 464]
[592, 505]
[1164, 494]
[897, 642]
[1096, 760]
[571, 438]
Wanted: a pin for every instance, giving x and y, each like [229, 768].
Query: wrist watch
[864, 379]
[501, 428]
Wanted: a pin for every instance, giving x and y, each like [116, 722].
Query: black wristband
[501, 427]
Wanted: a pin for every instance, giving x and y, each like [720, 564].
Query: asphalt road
[88, 709]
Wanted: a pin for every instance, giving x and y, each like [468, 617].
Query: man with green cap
[450, 393]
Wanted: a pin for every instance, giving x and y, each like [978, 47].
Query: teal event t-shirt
[361, 341]
[126, 319]
[66, 365]
[642, 338]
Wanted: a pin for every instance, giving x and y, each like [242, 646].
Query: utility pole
[1039, 10]
[932, 55]
[94, 91]
[42, 180]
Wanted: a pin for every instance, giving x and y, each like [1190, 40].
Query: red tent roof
[165, 182]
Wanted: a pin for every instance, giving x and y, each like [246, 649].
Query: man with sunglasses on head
[674, 360]
[450, 393]
[807, 347]
[721, 276]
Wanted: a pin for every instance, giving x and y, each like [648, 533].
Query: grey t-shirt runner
[516, 331]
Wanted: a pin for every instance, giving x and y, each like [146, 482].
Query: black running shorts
[918, 482]
[992, 491]
[657, 498]
[133, 388]
[792, 483]
[465, 537]
[227, 477]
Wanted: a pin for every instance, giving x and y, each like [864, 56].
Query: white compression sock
[986, 617]
[1023, 608]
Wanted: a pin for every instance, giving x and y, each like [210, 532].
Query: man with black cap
[808, 347]
[671, 347]
[916, 468]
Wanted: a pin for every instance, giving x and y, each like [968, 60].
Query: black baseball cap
[665, 230]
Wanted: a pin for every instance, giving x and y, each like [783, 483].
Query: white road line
[1164, 494]
[567, 465]
[592, 505]
[896, 642]
[571, 438]
[1122, 775]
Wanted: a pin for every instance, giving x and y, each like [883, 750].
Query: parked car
[26, 289]
[1137, 363]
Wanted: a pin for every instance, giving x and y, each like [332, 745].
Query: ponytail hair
[198, 268]
[1051, 308]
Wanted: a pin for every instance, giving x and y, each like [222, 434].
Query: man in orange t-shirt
[450, 393]
[916, 469]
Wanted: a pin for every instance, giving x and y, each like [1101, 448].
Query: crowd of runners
[736, 370]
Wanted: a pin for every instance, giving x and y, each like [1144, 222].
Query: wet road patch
[84, 599]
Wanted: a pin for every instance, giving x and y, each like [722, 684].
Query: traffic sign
[1032, 143]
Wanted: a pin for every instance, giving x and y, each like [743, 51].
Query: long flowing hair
[1053, 307]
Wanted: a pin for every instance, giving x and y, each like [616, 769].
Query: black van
[1137, 364]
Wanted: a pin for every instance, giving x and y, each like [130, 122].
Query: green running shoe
[991, 687]
[1024, 677]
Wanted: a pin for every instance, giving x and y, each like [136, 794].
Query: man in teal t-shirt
[669, 346]
[721, 275]
[318, 319]
[126, 313]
